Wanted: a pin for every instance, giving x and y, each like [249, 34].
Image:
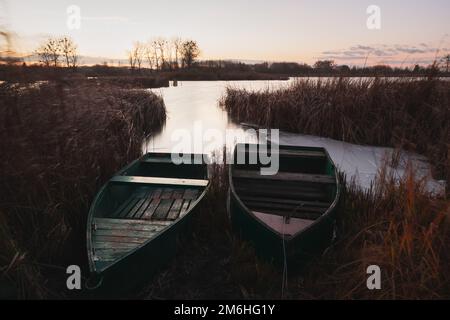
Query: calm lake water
[193, 111]
[196, 123]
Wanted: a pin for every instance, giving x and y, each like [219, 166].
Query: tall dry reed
[406, 113]
[396, 225]
[58, 145]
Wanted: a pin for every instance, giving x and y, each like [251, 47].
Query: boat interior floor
[156, 203]
[146, 212]
[286, 202]
[112, 238]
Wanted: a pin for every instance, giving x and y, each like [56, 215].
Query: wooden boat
[289, 215]
[136, 217]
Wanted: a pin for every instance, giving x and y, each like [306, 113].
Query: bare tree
[44, 55]
[53, 50]
[131, 60]
[446, 60]
[50, 52]
[69, 52]
[161, 47]
[160, 54]
[150, 55]
[190, 51]
[169, 53]
[155, 47]
[136, 55]
[138, 51]
[177, 45]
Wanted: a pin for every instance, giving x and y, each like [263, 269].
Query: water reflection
[193, 110]
[195, 104]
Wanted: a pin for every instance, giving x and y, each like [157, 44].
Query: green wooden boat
[136, 217]
[289, 215]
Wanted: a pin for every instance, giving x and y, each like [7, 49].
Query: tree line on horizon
[162, 54]
[156, 54]
[55, 51]
[327, 67]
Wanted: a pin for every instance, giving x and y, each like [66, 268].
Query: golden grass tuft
[397, 225]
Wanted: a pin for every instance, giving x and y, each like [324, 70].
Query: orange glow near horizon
[411, 32]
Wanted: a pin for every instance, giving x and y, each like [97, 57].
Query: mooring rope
[284, 283]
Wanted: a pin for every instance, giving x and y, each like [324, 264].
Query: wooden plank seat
[156, 204]
[285, 176]
[281, 190]
[277, 184]
[316, 204]
[168, 158]
[294, 153]
[157, 160]
[161, 181]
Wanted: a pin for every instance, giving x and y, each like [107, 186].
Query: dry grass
[59, 144]
[409, 114]
[396, 225]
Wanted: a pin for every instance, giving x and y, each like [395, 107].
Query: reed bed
[396, 225]
[59, 145]
[405, 113]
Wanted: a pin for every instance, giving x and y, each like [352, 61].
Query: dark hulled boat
[137, 216]
[290, 214]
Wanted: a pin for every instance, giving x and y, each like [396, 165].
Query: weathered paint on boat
[289, 216]
[137, 216]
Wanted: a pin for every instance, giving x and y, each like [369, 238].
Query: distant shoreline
[147, 78]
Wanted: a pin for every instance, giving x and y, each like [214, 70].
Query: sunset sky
[283, 30]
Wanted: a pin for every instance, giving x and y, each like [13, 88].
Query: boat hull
[141, 265]
[269, 245]
[252, 213]
[137, 218]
